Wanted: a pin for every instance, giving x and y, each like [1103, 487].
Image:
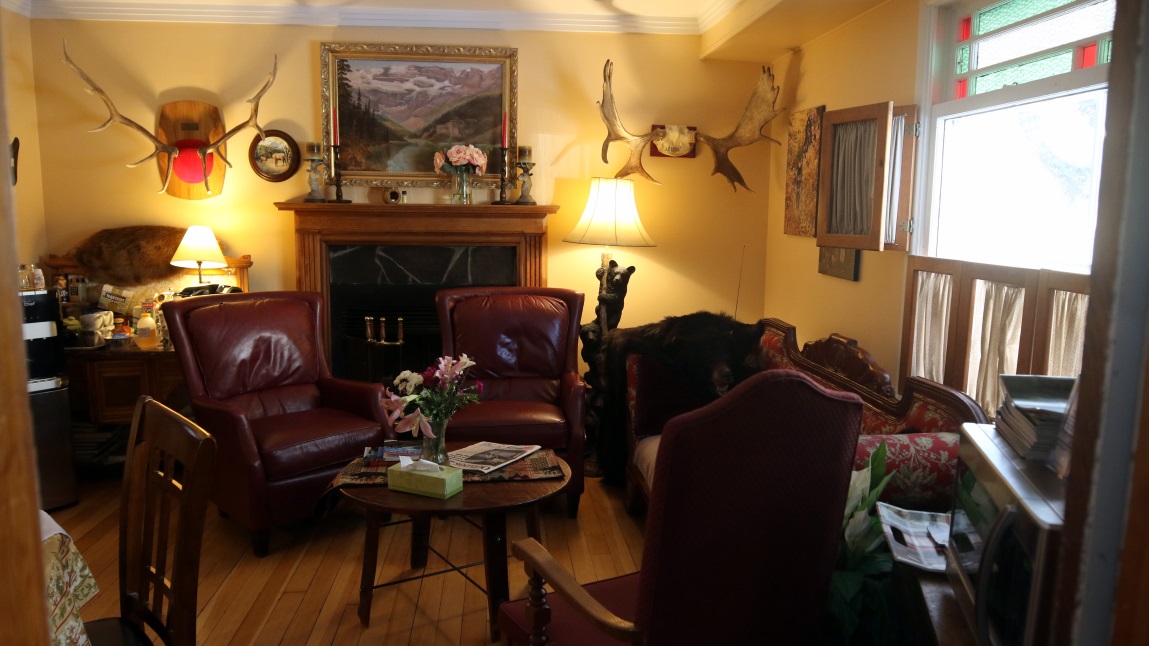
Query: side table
[491, 500]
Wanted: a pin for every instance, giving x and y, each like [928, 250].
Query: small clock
[392, 195]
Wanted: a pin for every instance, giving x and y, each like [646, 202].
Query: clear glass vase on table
[427, 401]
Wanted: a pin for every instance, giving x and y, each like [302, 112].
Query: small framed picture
[274, 157]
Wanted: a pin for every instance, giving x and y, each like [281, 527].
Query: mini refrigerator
[48, 399]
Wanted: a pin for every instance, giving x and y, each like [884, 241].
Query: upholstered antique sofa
[919, 428]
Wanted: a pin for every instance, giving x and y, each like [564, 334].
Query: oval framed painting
[274, 157]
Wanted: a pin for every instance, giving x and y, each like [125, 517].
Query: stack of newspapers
[1032, 413]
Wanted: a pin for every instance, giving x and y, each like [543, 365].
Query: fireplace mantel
[320, 225]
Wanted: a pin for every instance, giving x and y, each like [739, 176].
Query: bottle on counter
[38, 282]
[147, 337]
[27, 280]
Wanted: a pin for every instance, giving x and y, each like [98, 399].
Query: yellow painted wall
[20, 102]
[711, 240]
[870, 59]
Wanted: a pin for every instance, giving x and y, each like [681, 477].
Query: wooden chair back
[167, 482]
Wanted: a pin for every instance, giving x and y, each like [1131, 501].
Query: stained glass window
[1052, 65]
[1045, 34]
[1013, 11]
[963, 59]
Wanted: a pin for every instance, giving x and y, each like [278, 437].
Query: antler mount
[759, 111]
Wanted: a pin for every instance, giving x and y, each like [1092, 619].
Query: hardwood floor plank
[306, 591]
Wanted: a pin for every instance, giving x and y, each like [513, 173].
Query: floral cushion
[924, 466]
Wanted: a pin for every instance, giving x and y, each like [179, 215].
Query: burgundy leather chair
[746, 509]
[524, 341]
[260, 384]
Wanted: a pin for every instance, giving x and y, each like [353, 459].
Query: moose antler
[114, 116]
[252, 121]
[617, 132]
[759, 111]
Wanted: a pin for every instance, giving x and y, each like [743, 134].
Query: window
[1007, 198]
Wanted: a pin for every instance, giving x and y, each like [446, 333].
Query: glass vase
[462, 185]
[435, 448]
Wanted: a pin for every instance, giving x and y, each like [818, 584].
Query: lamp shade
[199, 249]
[610, 217]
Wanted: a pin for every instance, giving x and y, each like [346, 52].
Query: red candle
[504, 130]
[334, 128]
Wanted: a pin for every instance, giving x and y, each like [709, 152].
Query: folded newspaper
[486, 457]
[916, 537]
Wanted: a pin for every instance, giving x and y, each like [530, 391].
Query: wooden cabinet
[105, 383]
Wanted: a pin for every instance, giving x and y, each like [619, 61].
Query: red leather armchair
[524, 341]
[260, 384]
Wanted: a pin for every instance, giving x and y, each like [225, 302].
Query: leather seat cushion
[511, 422]
[294, 443]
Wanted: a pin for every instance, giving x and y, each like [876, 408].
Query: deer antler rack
[172, 151]
[252, 121]
[114, 116]
[759, 112]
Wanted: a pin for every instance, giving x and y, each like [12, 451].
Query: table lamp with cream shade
[610, 219]
[199, 250]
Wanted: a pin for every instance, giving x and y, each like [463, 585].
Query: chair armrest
[237, 457]
[538, 560]
[359, 397]
[572, 400]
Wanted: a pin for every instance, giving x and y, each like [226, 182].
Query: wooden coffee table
[491, 500]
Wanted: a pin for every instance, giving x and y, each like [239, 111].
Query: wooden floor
[307, 590]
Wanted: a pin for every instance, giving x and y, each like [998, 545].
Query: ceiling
[754, 30]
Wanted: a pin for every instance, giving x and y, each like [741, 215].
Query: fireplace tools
[369, 323]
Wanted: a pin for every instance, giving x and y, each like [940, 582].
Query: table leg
[495, 566]
[533, 525]
[370, 557]
[420, 541]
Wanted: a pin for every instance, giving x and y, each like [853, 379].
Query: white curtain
[995, 340]
[894, 183]
[852, 190]
[931, 325]
[1066, 333]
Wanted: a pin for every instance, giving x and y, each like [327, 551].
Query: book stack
[1033, 412]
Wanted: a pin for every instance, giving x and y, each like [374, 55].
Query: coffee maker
[48, 398]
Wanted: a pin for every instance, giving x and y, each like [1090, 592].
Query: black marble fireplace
[389, 282]
[388, 260]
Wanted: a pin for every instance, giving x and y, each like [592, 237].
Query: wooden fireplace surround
[320, 224]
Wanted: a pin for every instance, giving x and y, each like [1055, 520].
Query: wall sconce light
[610, 219]
[199, 249]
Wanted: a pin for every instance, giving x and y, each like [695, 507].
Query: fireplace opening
[400, 281]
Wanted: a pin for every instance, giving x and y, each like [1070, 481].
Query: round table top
[476, 497]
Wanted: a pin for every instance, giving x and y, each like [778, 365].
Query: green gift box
[441, 484]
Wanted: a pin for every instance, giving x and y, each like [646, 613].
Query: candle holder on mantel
[525, 198]
[505, 181]
[338, 177]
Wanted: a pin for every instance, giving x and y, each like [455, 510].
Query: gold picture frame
[390, 107]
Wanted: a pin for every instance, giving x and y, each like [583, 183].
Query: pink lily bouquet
[460, 155]
[436, 394]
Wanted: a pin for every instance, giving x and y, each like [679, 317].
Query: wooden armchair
[742, 532]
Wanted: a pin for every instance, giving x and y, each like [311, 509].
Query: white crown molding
[366, 17]
[717, 10]
[22, 7]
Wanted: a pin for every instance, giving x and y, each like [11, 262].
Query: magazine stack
[1032, 414]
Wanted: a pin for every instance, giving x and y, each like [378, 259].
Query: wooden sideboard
[105, 382]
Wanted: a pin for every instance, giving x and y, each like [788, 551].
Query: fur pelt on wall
[129, 256]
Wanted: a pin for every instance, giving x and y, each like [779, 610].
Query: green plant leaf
[878, 465]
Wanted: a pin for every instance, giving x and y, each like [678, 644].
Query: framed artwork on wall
[389, 108]
[839, 263]
[274, 157]
[803, 150]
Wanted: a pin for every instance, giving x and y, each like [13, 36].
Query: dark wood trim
[320, 224]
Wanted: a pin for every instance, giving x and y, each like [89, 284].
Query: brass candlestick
[338, 177]
[505, 181]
